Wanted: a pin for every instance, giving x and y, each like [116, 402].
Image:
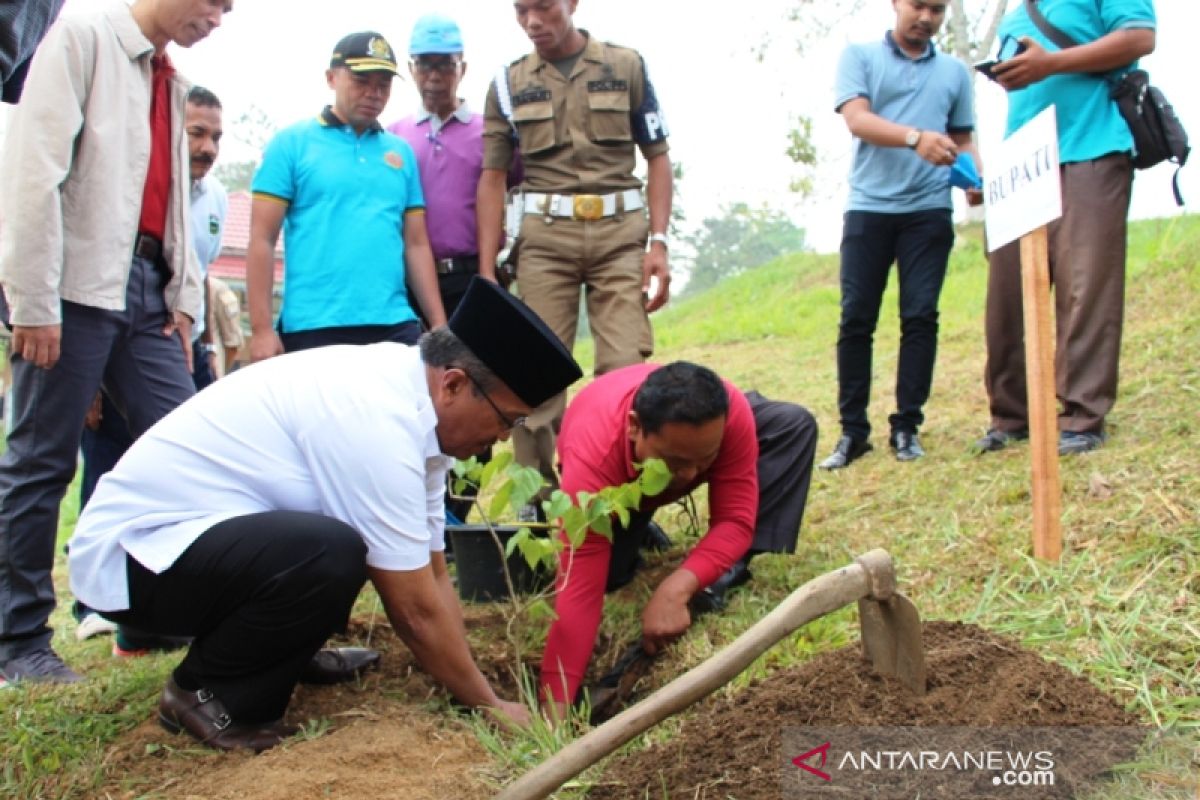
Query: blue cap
[435, 33]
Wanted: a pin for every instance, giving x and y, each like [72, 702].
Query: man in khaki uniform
[224, 319]
[578, 110]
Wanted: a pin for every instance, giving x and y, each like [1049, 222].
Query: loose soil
[383, 738]
[731, 748]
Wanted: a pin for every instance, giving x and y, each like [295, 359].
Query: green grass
[1122, 607]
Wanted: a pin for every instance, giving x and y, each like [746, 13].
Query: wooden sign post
[1023, 194]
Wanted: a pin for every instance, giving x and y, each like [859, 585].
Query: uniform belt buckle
[444, 266]
[587, 206]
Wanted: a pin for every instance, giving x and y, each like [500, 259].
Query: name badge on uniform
[214, 224]
[608, 85]
[531, 96]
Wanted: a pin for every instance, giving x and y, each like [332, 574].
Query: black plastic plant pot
[480, 565]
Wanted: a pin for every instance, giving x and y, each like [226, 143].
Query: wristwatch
[662, 239]
[912, 138]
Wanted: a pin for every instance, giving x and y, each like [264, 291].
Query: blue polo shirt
[1089, 123]
[343, 234]
[931, 93]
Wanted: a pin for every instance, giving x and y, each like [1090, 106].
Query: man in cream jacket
[99, 280]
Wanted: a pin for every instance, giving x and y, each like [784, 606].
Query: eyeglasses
[508, 424]
[445, 67]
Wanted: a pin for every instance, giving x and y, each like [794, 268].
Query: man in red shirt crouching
[756, 456]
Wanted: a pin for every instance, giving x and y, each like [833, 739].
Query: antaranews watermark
[951, 762]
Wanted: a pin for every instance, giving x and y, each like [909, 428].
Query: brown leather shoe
[339, 665]
[204, 717]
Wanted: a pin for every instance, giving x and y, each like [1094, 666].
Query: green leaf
[527, 482]
[500, 500]
[498, 463]
[603, 526]
[540, 610]
[654, 477]
[558, 504]
[515, 541]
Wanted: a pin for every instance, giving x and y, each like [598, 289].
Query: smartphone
[1008, 48]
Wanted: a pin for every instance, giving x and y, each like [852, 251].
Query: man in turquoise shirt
[348, 197]
[1087, 244]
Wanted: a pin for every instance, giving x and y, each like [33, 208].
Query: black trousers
[919, 242]
[260, 594]
[402, 332]
[787, 445]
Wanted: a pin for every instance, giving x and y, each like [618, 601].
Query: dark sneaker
[845, 452]
[39, 666]
[906, 445]
[995, 440]
[1071, 443]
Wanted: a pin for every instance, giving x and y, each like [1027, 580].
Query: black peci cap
[513, 342]
[366, 51]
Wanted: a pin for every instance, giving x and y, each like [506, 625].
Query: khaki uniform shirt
[577, 134]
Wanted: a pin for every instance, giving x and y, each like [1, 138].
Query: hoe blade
[891, 639]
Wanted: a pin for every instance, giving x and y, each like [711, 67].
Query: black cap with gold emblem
[513, 342]
[366, 51]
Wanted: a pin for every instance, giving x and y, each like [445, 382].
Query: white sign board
[1021, 188]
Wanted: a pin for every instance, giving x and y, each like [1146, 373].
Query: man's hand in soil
[666, 616]
[510, 714]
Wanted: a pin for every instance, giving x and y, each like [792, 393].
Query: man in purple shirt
[448, 140]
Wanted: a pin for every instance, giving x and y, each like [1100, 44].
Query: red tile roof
[232, 262]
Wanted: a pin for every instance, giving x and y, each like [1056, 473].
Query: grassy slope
[1121, 607]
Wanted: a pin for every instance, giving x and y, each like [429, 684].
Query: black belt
[447, 266]
[148, 247]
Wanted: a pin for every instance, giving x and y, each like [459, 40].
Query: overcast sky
[728, 113]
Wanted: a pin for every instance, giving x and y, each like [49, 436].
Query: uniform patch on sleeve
[393, 159]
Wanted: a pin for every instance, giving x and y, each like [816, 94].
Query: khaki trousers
[604, 257]
[1087, 269]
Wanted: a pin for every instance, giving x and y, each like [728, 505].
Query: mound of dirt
[379, 737]
[732, 748]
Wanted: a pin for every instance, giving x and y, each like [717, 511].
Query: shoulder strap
[504, 96]
[1052, 33]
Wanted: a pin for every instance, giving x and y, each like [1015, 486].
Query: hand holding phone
[1008, 48]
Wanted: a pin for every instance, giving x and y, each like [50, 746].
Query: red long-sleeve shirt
[595, 451]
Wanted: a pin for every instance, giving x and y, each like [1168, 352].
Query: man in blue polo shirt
[1087, 244]
[347, 196]
[909, 110]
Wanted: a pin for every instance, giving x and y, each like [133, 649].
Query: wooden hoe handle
[870, 576]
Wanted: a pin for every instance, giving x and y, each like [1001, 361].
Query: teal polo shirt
[343, 234]
[1089, 123]
[931, 93]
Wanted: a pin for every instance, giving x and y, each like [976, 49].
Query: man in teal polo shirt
[347, 196]
[1087, 244]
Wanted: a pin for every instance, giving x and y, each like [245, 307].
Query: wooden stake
[1042, 403]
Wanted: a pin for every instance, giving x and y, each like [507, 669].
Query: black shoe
[996, 439]
[1072, 443]
[906, 445]
[846, 452]
[339, 665]
[655, 538]
[714, 597]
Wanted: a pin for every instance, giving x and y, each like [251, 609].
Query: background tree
[741, 238]
[251, 130]
[968, 34]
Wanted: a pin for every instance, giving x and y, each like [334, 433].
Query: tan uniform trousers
[605, 257]
[1087, 268]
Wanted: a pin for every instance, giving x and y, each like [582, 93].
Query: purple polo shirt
[450, 160]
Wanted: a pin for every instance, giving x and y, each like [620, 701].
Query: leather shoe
[205, 719]
[1072, 443]
[845, 452]
[906, 445]
[996, 439]
[339, 665]
[713, 597]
